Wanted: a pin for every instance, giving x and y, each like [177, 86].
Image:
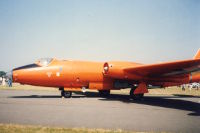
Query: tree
[2, 73]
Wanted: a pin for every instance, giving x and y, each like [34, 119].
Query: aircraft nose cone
[14, 75]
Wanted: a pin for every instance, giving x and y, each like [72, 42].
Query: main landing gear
[135, 96]
[137, 93]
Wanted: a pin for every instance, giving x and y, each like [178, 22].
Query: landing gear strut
[66, 94]
[104, 93]
[137, 93]
[135, 96]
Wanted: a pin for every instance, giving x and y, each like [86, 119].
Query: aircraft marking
[49, 74]
[58, 74]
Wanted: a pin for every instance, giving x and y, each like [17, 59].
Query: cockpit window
[44, 61]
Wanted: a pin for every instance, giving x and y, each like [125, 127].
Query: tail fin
[197, 56]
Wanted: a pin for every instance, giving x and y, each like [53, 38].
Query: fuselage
[92, 75]
[62, 73]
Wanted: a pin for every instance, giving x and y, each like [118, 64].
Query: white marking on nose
[49, 74]
[57, 74]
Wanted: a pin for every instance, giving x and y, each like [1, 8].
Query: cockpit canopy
[44, 61]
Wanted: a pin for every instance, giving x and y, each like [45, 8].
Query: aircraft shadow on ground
[37, 96]
[80, 95]
[174, 102]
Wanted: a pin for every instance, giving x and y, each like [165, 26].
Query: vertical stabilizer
[197, 56]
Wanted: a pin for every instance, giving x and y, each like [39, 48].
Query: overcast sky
[146, 31]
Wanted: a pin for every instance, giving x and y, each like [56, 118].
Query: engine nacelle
[116, 70]
[113, 69]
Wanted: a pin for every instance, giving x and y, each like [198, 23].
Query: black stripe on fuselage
[26, 67]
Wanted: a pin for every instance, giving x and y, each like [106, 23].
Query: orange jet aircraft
[71, 76]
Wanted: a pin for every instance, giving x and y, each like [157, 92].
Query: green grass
[10, 128]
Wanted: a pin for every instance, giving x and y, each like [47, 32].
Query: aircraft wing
[166, 69]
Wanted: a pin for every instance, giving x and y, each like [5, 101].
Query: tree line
[2, 73]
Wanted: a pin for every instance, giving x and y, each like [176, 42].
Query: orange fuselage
[73, 74]
[92, 75]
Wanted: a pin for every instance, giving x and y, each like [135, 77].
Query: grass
[11, 128]
[158, 91]
[174, 90]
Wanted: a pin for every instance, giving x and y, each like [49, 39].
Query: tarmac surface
[154, 113]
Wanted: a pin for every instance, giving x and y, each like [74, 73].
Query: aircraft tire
[104, 93]
[66, 94]
[135, 96]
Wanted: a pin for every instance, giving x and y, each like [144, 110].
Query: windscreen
[44, 61]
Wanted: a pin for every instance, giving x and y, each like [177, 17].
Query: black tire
[135, 96]
[66, 94]
[104, 93]
[61, 88]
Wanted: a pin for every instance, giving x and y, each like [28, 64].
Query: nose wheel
[66, 94]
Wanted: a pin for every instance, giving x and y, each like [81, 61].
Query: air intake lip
[105, 68]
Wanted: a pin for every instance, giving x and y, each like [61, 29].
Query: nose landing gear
[66, 94]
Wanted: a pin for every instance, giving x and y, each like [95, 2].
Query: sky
[144, 31]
